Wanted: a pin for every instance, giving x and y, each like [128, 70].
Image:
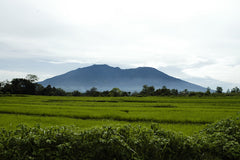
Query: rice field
[181, 114]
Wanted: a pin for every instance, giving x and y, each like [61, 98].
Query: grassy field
[184, 114]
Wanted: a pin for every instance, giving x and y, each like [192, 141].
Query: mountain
[105, 77]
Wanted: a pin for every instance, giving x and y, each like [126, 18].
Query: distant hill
[105, 77]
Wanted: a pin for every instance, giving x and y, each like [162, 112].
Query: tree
[47, 90]
[151, 90]
[185, 92]
[135, 94]
[32, 78]
[6, 87]
[174, 92]
[235, 90]
[165, 91]
[1, 86]
[93, 92]
[22, 86]
[76, 93]
[219, 90]
[208, 92]
[59, 92]
[147, 90]
[39, 89]
[115, 92]
[105, 93]
[126, 94]
[144, 90]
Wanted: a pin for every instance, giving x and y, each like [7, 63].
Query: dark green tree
[126, 94]
[105, 94]
[185, 92]
[76, 93]
[208, 92]
[6, 87]
[93, 92]
[135, 94]
[165, 91]
[58, 92]
[147, 90]
[115, 92]
[39, 89]
[47, 91]
[174, 92]
[235, 90]
[32, 78]
[219, 90]
[22, 86]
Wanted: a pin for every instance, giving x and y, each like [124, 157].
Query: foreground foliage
[220, 140]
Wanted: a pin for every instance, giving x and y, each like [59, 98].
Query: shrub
[222, 139]
[218, 141]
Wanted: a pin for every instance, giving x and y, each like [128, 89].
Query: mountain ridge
[105, 77]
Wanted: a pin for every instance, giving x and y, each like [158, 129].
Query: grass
[10, 121]
[185, 114]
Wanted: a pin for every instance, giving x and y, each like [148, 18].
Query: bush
[222, 139]
[218, 141]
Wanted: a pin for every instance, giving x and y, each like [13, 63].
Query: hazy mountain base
[220, 140]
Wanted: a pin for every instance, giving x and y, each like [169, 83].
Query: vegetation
[220, 140]
[186, 114]
[128, 132]
[150, 124]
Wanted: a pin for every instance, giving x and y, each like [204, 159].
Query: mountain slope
[104, 77]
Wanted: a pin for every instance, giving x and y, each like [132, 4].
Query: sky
[197, 41]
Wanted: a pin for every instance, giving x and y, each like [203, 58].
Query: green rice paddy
[181, 114]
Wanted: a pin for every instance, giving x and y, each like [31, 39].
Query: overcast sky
[189, 39]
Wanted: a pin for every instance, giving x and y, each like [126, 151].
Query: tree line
[29, 86]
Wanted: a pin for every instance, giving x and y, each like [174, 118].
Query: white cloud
[9, 75]
[217, 71]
